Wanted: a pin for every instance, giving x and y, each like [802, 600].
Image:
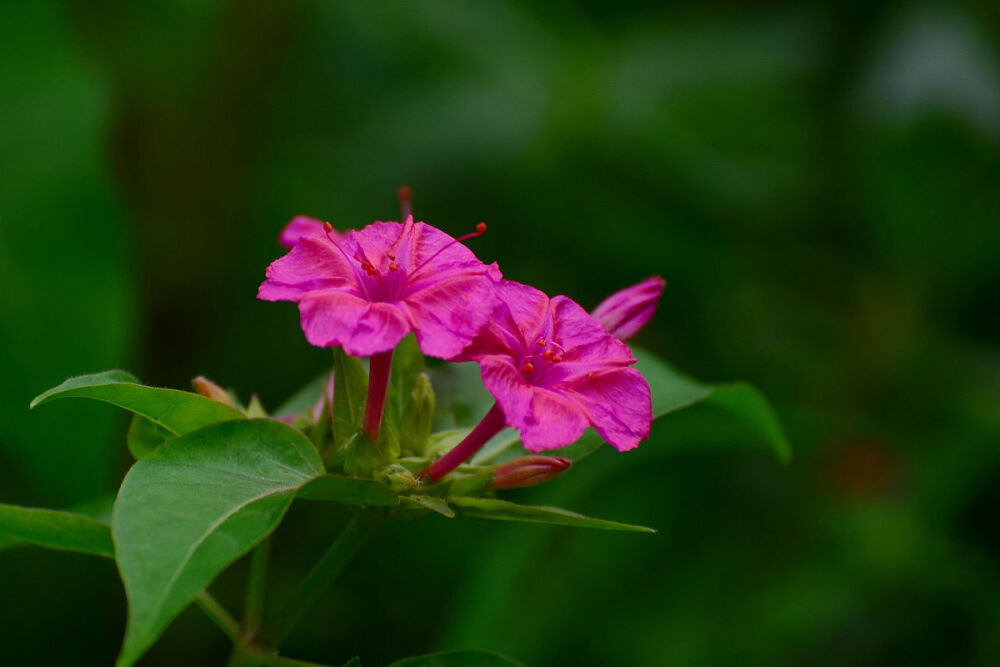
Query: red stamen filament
[480, 230]
[529, 367]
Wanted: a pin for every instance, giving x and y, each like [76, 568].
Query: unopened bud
[415, 430]
[209, 389]
[625, 312]
[528, 471]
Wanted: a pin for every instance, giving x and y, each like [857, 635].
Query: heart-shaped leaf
[194, 506]
[458, 659]
[349, 491]
[503, 510]
[55, 530]
[178, 412]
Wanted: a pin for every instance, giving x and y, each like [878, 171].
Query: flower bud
[528, 471]
[415, 430]
[209, 389]
[625, 312]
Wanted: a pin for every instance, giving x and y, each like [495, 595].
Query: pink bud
[528, 471]
[209, 389]
[623, 313]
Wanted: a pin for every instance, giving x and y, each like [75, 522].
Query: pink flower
[369, 288]
[553, 371]
[625, 312]
[302, 226]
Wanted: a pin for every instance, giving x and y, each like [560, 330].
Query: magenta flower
[302, 226]
[369, 288]
[553, 371]
[625, 312]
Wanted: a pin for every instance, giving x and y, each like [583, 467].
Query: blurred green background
[819, 183]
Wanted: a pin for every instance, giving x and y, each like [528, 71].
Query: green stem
[253, 607]
[324, 572]
[217, 613]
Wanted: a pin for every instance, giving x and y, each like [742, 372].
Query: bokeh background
[818, 183]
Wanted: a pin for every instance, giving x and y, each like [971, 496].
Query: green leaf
[55, 530]
[144, 436]
[503, 510]
[458, 659]
[194, 506]
[432, 503]
[176, 411]
[349, 491]
[305, 398]
[350, 387]
[744, 402]
[670, 389]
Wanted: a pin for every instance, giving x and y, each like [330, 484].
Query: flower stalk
[490, 425]
[378, 384]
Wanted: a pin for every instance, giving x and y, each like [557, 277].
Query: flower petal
[554, 421]
[512, 393]
[302, 226]
[545, 419]
[363, 328]
[617, 402]
[448, 314]
[313, 264]
[583, 338]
